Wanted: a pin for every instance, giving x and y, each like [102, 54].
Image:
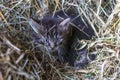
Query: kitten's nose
[52, 45]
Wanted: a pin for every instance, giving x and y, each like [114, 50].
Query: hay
[20, 60]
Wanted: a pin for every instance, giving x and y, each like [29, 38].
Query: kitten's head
[50, 32]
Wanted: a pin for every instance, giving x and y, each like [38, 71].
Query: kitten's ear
[63, 26]
[35, 26]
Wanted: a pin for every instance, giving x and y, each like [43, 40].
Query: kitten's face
[50, 33]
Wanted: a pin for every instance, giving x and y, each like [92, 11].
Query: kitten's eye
[59, 40]
[38, 41]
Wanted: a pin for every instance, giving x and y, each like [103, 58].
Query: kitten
[60, 33]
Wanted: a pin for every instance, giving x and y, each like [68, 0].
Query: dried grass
[19, 59]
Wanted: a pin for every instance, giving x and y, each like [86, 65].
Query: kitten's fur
[60, 36]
